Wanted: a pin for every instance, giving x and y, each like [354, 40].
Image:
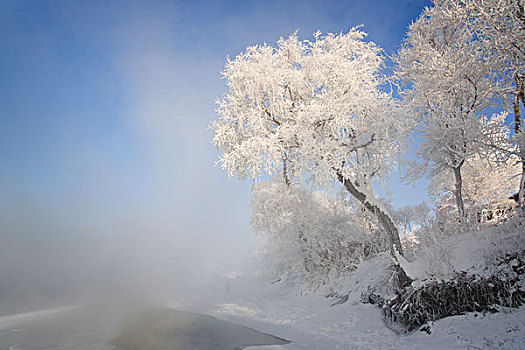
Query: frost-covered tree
[500, 29]
[491, 178]
[499, 26]
[487, 183]
[314, 109]
[411, 217]
[450, 86]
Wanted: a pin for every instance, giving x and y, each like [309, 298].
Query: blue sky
[106, 105]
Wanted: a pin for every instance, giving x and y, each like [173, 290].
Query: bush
[314, 240]
[463, 293]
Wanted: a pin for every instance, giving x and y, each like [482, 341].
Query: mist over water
[54, 258]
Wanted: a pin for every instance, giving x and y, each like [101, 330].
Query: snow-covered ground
[311, 322]
[314, 322]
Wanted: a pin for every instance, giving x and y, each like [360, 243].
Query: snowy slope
[311, 322]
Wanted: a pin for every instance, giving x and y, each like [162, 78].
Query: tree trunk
[285, 173]
[521, 191]
[517, 113]
[520, 95]
[457, 191]
[384, 219]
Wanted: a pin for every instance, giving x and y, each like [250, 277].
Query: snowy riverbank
[311, 322]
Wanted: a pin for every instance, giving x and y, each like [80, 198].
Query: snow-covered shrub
[429, 241]
[313, 239]
[472, 271]
[433, 242]
[411, 220]
[464, 293]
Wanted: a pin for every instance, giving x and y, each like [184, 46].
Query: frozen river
[101, 328]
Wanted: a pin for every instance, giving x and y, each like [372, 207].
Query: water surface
[103, 328]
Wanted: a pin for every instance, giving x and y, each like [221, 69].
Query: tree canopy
[317, 110]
